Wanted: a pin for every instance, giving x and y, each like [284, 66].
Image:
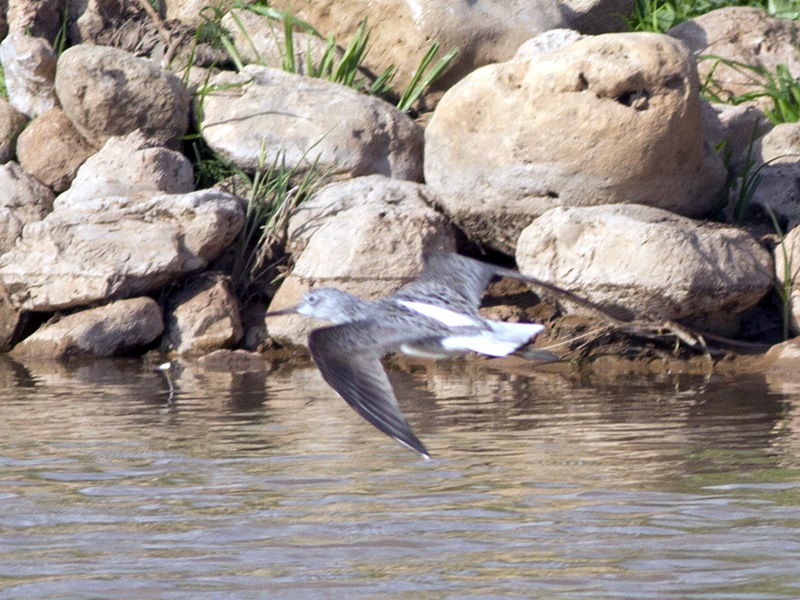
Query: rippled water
[543, 484]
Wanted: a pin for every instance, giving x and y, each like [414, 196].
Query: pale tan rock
[787, 269]
[29, 67]
[644, 262]
[366, 236]
[129, 165]
[51, 149]
[108, 92]
[609, 119]
[12, 122]
[117, 247]
[23, 200]
[747, 35]
[351, 133]
[484, 31]
[203, 317]
[110, 330]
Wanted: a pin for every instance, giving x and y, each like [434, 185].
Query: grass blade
[419, 82]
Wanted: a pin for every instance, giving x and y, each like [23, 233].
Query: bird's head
[328, 304]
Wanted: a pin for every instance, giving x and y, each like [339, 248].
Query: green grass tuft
[273, 192]
[661, 15]
[345, 66]
[780, 88]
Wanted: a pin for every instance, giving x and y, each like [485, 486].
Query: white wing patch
[502, 340]
[483, 343]
[443, 315]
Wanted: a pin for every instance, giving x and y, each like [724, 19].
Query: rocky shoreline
[583, 154]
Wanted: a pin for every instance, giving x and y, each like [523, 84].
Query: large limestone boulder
[639, 261]
[129, 165]
[366, 236]
[247, 121]
[116, 247]
[742, 34]
[52, 150]
[108, 92]
[23, 200]
[484, 31]
[609, 119]
[29, 67]
[110, 330]
[12, 122]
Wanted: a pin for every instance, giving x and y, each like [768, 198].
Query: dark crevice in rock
[637, 99]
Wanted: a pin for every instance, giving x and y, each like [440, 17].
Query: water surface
[543, 484]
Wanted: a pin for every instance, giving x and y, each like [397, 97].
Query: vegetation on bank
[661, 15]
[274, 189]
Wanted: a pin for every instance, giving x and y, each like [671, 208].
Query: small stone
[12, 123]
[127, 165]
[24, 200]
[203, 317]
[108, 92]
[52, 150]
[29, 66]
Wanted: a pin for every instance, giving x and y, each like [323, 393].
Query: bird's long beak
[286, 311]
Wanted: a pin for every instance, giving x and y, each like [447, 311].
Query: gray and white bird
[433, 316]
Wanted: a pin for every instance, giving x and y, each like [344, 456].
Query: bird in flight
[433, 316]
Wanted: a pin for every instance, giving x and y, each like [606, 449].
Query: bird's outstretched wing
[458, 282]
[450, 280]
[349, 359]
